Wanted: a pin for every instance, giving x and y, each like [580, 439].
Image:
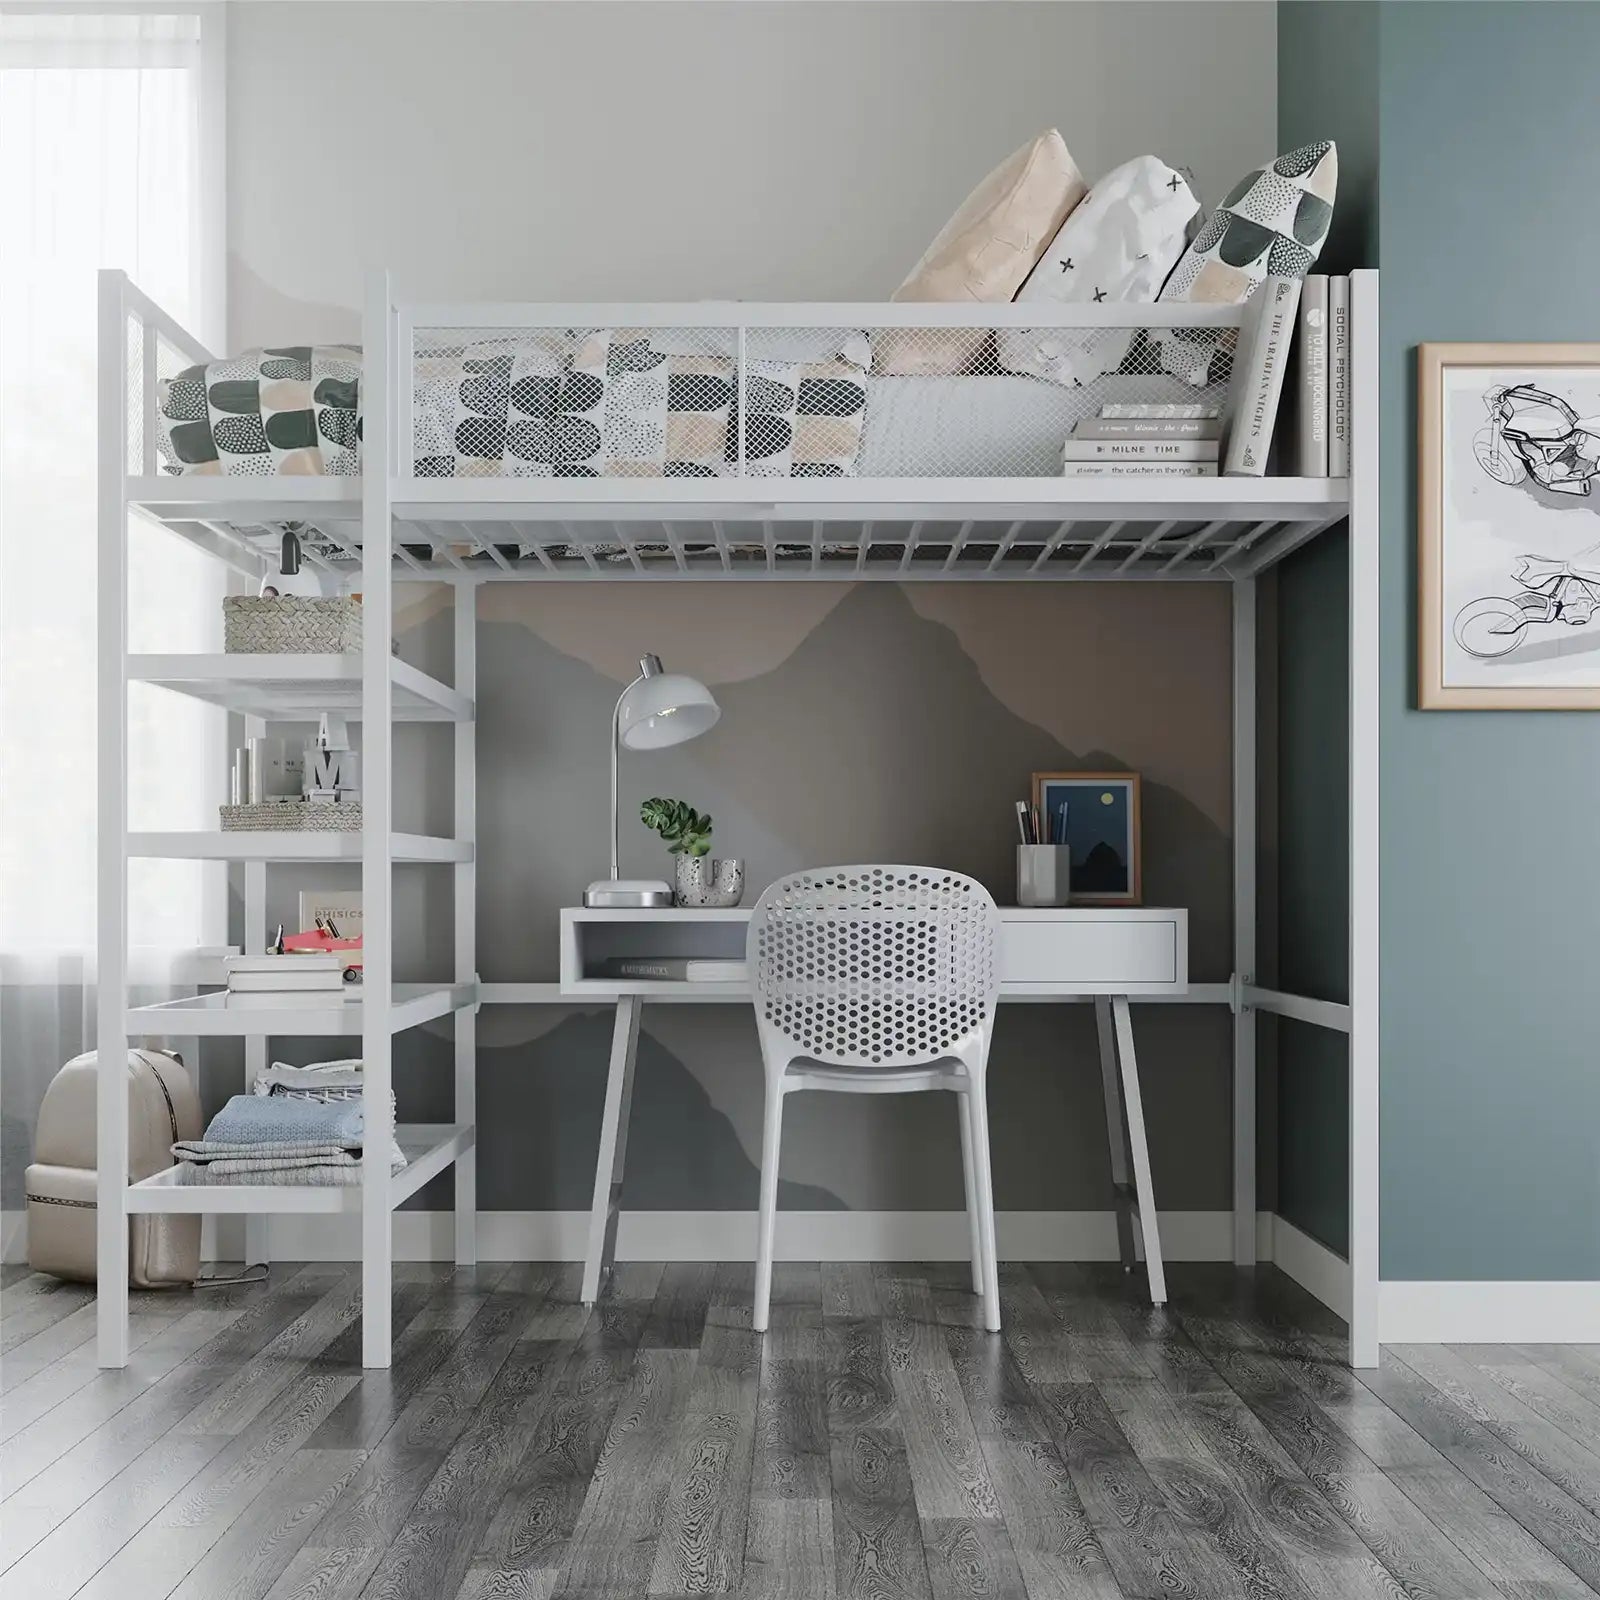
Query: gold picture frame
[1125, 806]
[1507, 502]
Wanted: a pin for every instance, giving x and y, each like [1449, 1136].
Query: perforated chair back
[874, 966]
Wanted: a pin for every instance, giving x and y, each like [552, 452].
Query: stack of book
[288, 980]
[1145, 441]
[1322, 430]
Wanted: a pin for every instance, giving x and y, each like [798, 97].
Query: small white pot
[705, 881]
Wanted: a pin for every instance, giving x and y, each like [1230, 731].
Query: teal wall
[1313, 881]
[1327, 89]
[1490, 1127]
[1482, 198]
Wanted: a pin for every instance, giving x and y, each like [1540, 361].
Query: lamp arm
[616, 742]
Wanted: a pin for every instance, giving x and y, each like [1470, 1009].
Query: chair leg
[766, 1221]
[974, 1228]
[983, 1184]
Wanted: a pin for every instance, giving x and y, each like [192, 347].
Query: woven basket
[291, 625]
[299, 816]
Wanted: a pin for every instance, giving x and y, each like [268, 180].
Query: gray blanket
[252, 1119]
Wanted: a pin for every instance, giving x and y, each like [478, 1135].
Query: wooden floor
[876, 1443]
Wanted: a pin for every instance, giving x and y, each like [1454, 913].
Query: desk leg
[1140, 1149]
[1116, 1130]
[607, 1203]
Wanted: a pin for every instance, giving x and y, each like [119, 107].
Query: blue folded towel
[272, 1119]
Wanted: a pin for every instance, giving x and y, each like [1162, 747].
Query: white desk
[1067, 953]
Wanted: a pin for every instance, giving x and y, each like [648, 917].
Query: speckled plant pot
[704, 881]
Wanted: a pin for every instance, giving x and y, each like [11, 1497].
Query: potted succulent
[699, 878]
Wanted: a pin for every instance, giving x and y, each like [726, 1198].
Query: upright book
[1311, 403]
[1339, 378]
[1258, 382]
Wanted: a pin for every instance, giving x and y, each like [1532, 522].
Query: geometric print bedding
[677, 415]
[293, 410]
[598, 404]
[525, 407]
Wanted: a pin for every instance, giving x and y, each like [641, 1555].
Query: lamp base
[627, 892]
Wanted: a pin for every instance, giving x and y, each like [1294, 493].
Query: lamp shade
[665, 709]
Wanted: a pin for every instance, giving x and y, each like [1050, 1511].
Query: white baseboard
[1311, 1264]
[1408, 1313]
[1541, 1312]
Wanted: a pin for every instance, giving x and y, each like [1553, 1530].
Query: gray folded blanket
[250, 1119]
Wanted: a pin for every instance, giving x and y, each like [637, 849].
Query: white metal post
[1364, 819]
[466, 919]
[1244, 921]
[377, 826]
[257, 1246]
[111, 847]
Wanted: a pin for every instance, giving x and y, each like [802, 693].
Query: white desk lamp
[656, 710]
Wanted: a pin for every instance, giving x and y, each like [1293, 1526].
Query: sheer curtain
[108, 125]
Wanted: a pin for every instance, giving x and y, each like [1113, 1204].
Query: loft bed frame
[391, 526]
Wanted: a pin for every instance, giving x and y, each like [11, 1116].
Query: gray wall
[1491, 1096]
[685, 150]
[1327, 89]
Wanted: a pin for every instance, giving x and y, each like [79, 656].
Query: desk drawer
[1087, 954]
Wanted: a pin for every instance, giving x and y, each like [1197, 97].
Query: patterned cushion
[528, 406]
[605, 403]
[1273, 220]
[293, 411]
[677, 416]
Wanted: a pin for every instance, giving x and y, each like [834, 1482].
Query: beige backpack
[163, 1107]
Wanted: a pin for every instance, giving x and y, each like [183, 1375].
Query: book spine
[1148, 428]
[1141, 450]
[1148, 410]
[1339, 378]
[1139, 469]
[1258, 384]
[1311, 434]
[675, 968]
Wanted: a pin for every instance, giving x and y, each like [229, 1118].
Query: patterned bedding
[606, 403]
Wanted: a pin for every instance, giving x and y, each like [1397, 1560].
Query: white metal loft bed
[391, 525]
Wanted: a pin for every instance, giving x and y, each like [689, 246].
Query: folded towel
[277, 1119]
[346, 1174]
[274, 1152]
[281, 1077]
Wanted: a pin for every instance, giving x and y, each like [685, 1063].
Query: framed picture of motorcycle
[1508, 523]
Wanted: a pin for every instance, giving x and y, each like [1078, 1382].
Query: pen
[1022, 822]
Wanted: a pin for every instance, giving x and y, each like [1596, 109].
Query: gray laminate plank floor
[876, 1442]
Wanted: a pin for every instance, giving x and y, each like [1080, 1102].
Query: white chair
[878, 980]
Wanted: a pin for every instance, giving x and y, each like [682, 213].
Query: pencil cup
[1044, 874]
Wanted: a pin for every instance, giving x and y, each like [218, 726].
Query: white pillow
[1118, 245]
[1124, 239]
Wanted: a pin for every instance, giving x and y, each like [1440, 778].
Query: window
[111, 128]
